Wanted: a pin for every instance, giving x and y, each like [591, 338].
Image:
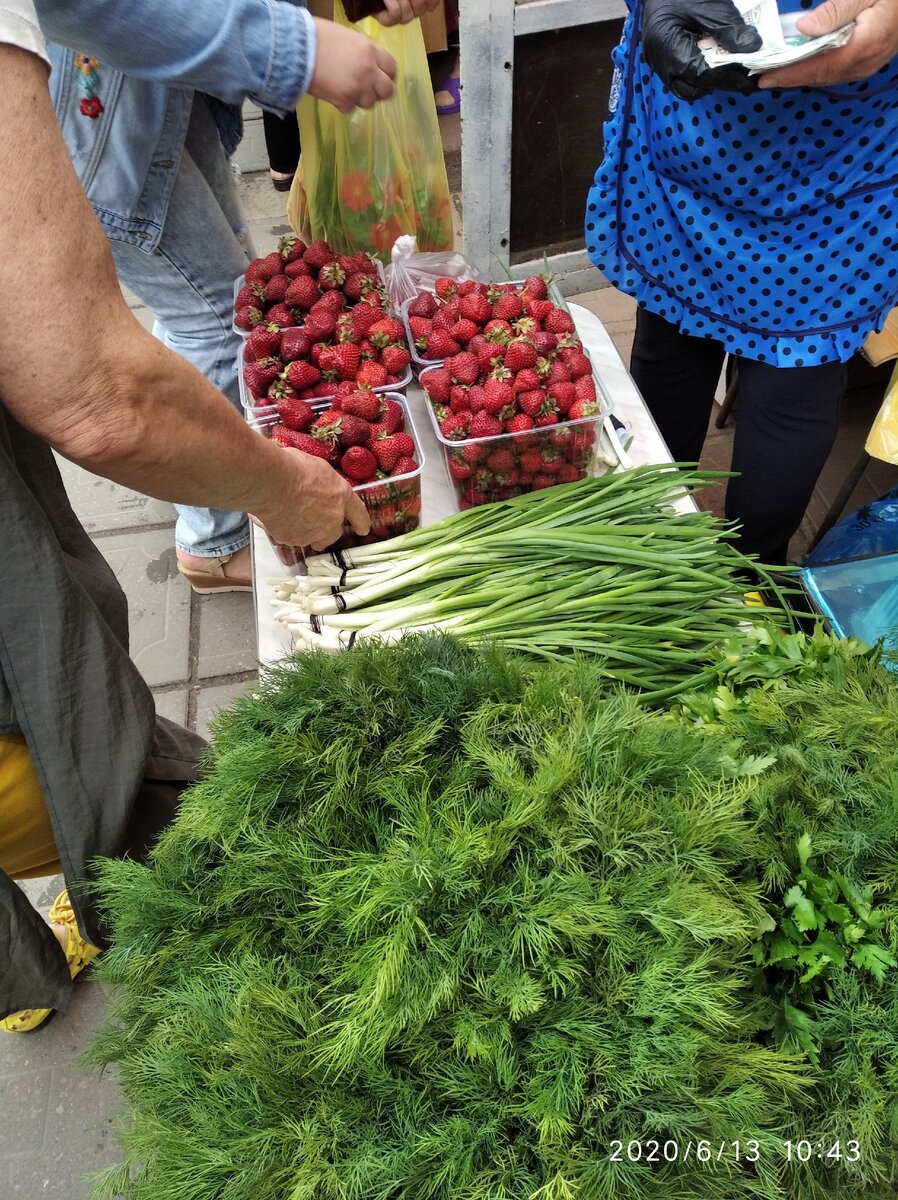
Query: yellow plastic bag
[882, 440]
[366, 178]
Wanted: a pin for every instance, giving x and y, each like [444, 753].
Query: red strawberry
[532, 403]
[526, 380]
[488, 354]
[331, 302]
[583, 408]
[393, 416]
[498, 396]
[586, 388]
[508, 307]
[475, 307]
[332, 276]
[564, 395]
[396, 359]
[263, 342]
[538, 309]
[281, 315]
[248, 318]
[385, 331]
[386, 451]
[547, 418]
[519, 355]
[302, 293]
[260, 270]
[543, 481]
[295, 343]
[362, 318]
[464, 367]
[463, 331]
[362, 402]
[440, 344]
[320, 326]
[519, 423]
[358, 463]
[249, 296]
[558, 321]
[459, 471]
[455, 427]
[531, 461]
[420, 328]
[352, 431]
[459, 399]
[300, 441]
[423, 305]
[405, 444]
[544, 343]
[372, 375]
[276, 289]
[501, 460]
[259, 376]
[405, 466]
[536, 286]
[437, 384]
[356, 286]
[291, 248]
[445, 287]
[498, 331]
[296, 414]
[485, 425]
[344, 359]
[578, 364]
[470, 287]
[318, 255]
[559, 372]
[301, 374]
[298, 269]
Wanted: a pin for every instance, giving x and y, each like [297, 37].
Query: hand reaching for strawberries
[310, 506]
[350, 71]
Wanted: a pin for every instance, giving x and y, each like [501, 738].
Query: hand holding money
[670, 40]
[872, 43]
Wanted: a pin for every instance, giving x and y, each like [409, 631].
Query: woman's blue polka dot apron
[767, 222]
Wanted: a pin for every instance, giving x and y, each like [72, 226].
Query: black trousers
[787, 423]
[281, 141]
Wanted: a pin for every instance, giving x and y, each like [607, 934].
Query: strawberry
[276, 289]
[459, 471]
[405, 466]
[536, 286]
[454, 427]
[248, 318]
[396, 359]
[291, 248]
[302, 293]
[498, 331]
[464, 367]
[251, 295]
[318, 255]
[558, 321]
[320, 326]
[386, 451]
[280, 315]
[437, 383]
[364, 403]
[352, 431]
[526, 380]
[280, 390]
[544, 343]
[385, 331]
[501, 461]
[423, 305]
[485, 425]
[586, 389]
[405, 444]
[296, 414]
[440, 344]
[583, 408]
[358, 463]
[547, 418]
[559, 372]
[459, 399]
[445, 287]
[543, 481]
[260, 270]
[476, 308]
[362, 318]
[564, 395]
[578, 364]
[393, 416]
[300, 441]
[470, 287]
[356, 286]
[332, 276]
[498, 397]
[508, 307]
[371, 375]
[520, 354]
[295, 343]
[301, 374]
[298, 270]
[330, 302]
[531, 462]
[488, 355]
[532, 403]
[519, 423]
[344, 359]
[538, 309]
[463, 331]
[259, 376]
[263, 342]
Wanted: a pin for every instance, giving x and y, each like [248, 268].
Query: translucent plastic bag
[411, 272]
[368, 177]
[882, 440]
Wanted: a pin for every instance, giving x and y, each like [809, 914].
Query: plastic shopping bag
[882, 440]
[368, 177]
[411, 272]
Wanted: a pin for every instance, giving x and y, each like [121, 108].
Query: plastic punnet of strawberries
[364, 437]
[317, 320]
[516, 390]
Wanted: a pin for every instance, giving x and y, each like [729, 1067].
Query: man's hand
[311, 509]
[400, 12]
[350, 71]
[670, 33]
[874, 40]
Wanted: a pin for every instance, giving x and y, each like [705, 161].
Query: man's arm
[873, 42]
[77, 369]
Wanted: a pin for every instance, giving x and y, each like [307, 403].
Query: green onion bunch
[622, 568]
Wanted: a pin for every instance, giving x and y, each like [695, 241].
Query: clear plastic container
[241, 280]
[393, 504]
[483, 470]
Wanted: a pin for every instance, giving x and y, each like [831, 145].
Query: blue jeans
[188, 285]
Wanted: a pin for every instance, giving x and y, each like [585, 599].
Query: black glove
[670, 32]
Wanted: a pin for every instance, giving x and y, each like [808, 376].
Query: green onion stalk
[622, 568]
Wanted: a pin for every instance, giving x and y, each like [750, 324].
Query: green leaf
[875, 959]
[803, 910]
[804, 849]
[781, 950]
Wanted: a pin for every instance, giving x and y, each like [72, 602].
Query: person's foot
[227, 573]
[448, 98]
[281, 181]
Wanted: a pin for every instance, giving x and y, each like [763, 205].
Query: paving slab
[212, 699]
[227, 644]
[172, 705]
[158, 602]
[103, 506]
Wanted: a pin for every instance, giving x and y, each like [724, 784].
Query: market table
[438, 495]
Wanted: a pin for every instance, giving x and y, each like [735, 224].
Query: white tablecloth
[438, 495]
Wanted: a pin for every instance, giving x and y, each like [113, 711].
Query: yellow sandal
[78, 953]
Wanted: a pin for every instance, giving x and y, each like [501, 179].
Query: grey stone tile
[158, 602]
[172, 705]
[26, 1101]
[212, 699]
[103, 506]
[42, 892]
[227, 643]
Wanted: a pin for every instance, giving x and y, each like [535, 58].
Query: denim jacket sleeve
[231, 49]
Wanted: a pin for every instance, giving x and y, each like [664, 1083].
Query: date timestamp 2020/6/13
[706, 1151]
